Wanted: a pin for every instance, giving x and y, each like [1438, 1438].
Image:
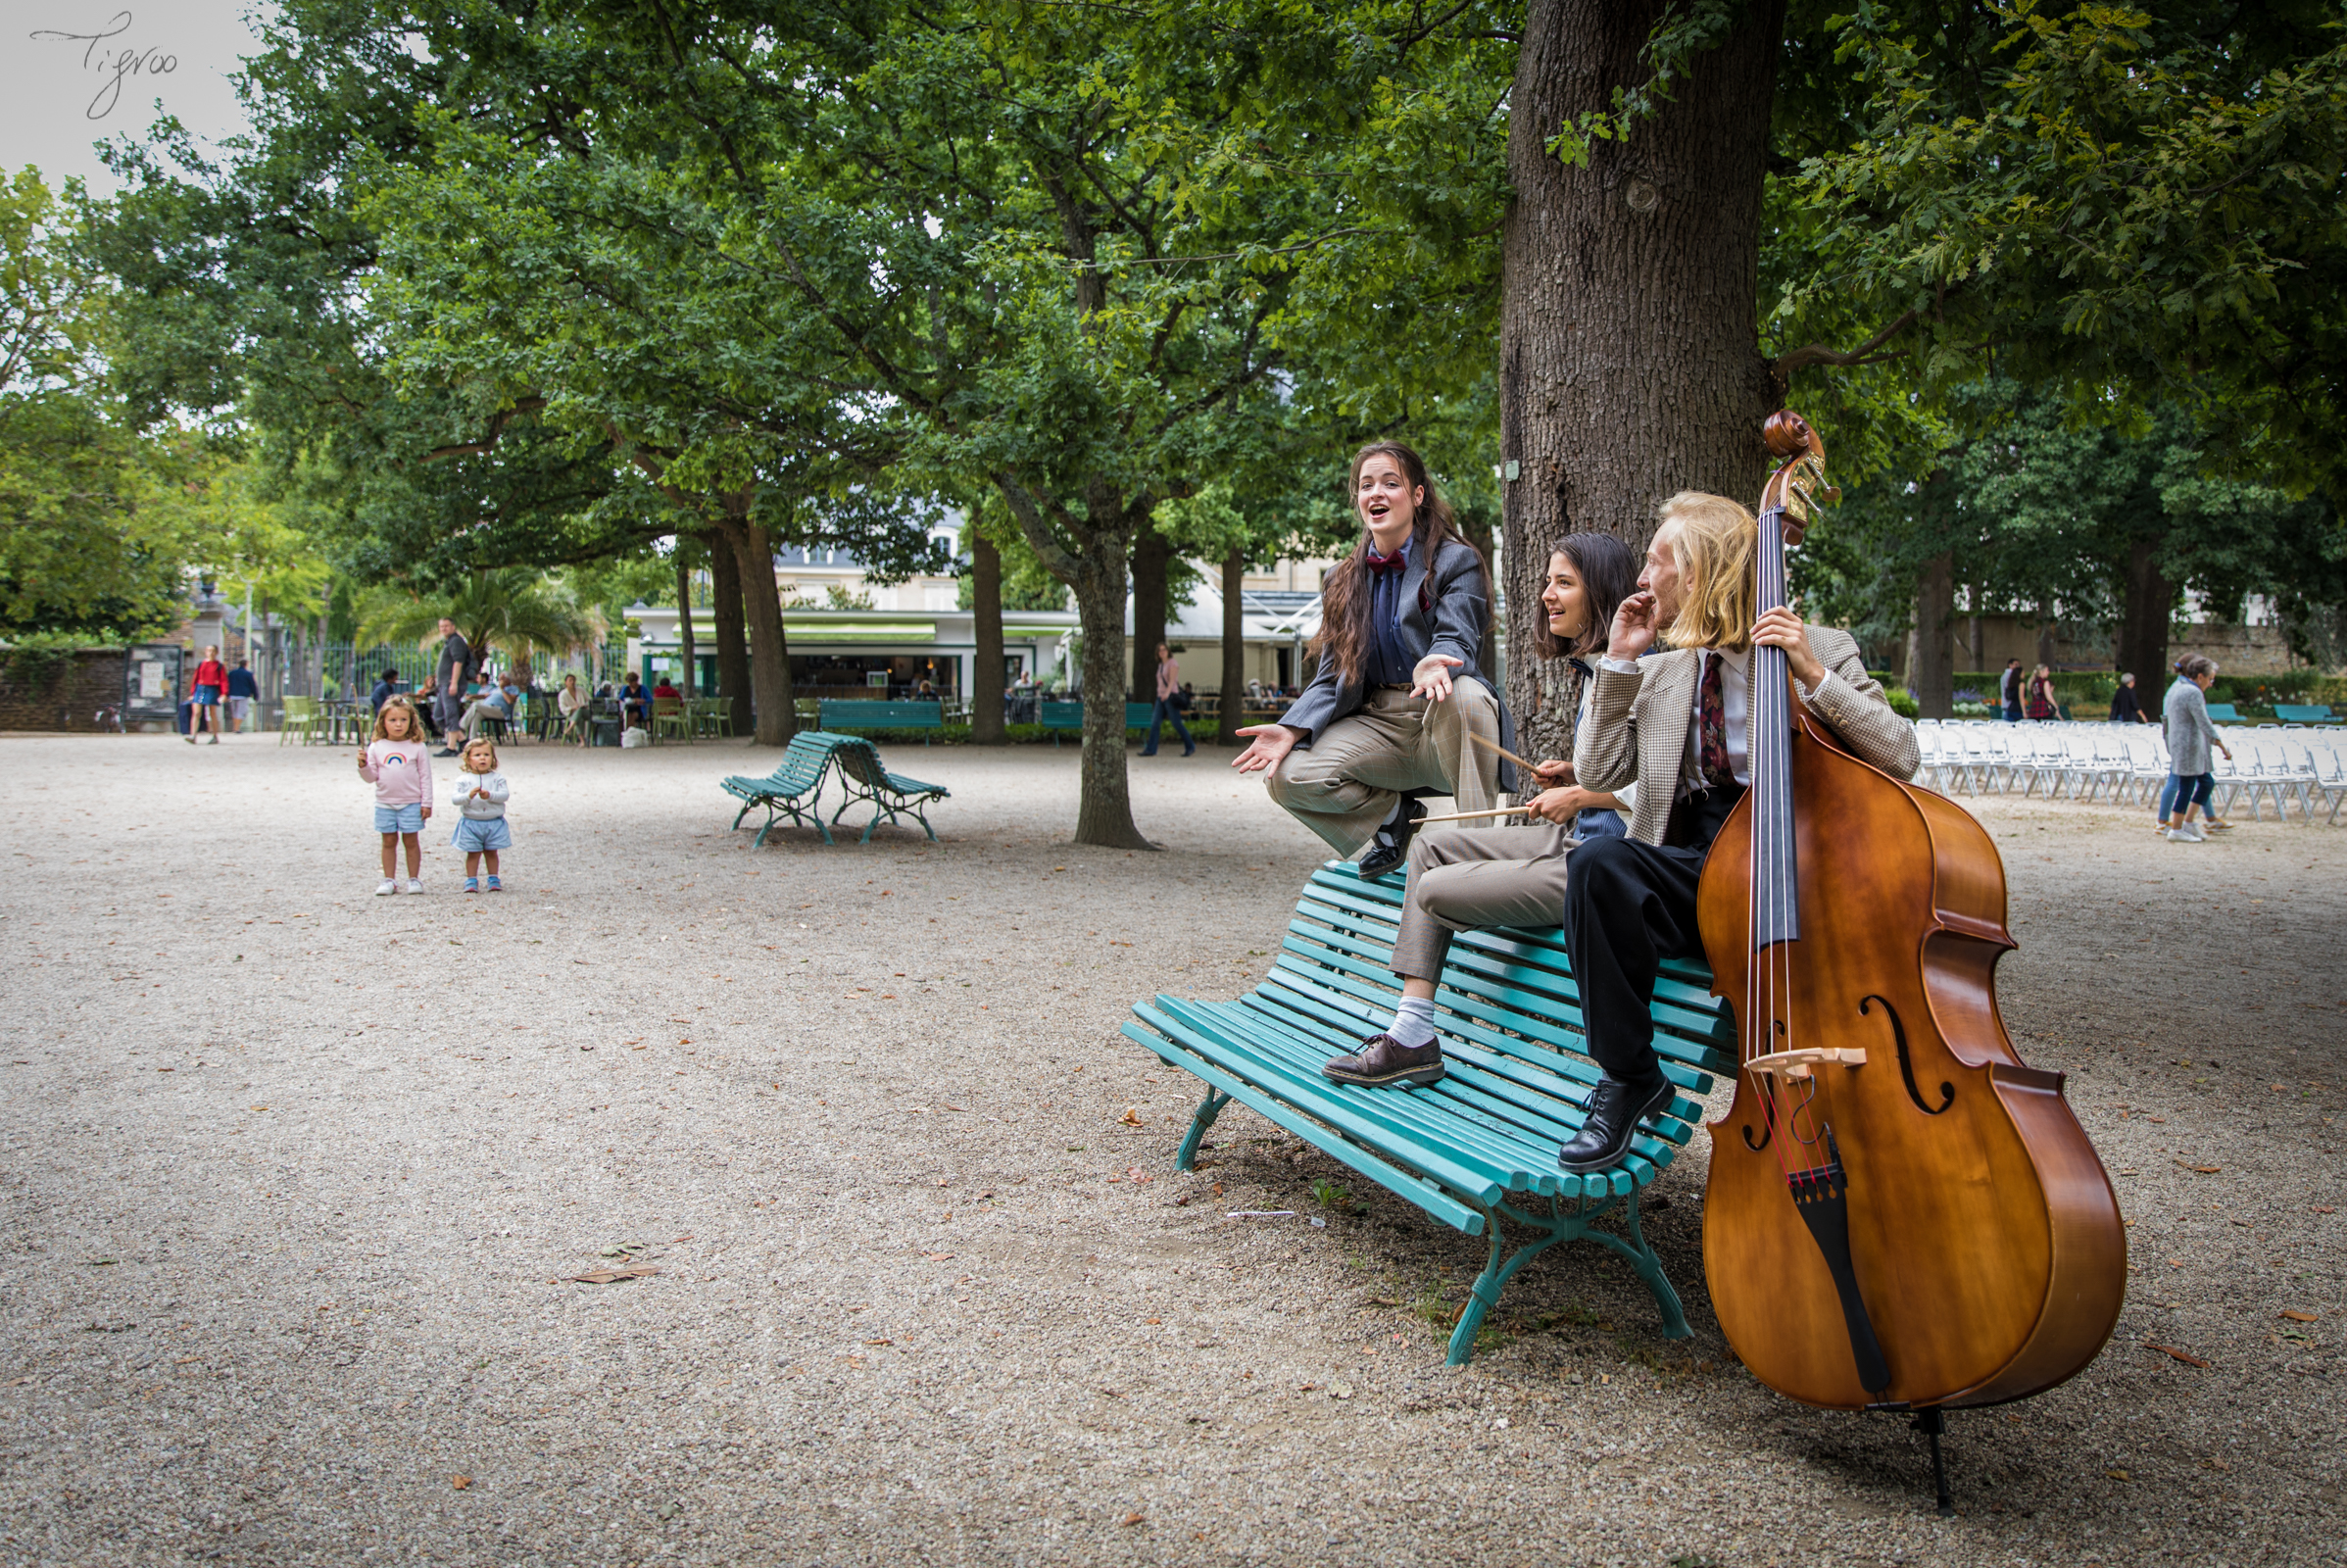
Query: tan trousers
[1459, 881]
[1353, 775]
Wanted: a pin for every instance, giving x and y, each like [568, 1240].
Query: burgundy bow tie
[1393, 563]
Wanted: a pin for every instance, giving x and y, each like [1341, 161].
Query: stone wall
[67, 697]
[2239, 650]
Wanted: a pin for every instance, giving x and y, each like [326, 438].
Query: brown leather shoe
[1384, 1059]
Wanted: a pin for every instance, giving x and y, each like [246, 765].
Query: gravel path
[296, 1180]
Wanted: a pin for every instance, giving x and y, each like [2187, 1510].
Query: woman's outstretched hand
[1431, 678]
[1271, 743]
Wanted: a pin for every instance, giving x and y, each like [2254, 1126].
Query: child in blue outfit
[480, 802]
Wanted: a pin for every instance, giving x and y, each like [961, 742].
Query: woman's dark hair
[1344, 634]
[1609, 574]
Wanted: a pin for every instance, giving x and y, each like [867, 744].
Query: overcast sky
[58, 94]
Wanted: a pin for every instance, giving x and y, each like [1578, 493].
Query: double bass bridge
[1800, 1065]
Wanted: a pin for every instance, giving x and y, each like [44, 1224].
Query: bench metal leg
[1207, 1110]
[1649, 1268]
[1484, 1294]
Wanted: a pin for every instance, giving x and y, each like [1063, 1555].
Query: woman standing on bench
[1397, 693]
[1503, 875]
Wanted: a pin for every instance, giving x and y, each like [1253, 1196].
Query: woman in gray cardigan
[2190, 733]
[1398, 703]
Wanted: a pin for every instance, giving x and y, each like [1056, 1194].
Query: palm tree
[512, 609]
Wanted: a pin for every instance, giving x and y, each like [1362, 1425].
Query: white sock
[1413, 1022]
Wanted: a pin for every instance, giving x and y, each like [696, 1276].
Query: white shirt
[1735, 680]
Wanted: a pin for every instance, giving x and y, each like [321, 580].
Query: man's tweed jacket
[1638, 728]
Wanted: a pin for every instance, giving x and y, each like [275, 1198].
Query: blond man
[1675, 724]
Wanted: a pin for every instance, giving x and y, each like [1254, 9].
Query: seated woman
[1398, 696]
[572, 702]
[1503, 875]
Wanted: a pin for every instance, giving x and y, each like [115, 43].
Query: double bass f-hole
[1898, 1035]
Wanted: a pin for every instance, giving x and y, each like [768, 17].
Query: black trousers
[1629, 905]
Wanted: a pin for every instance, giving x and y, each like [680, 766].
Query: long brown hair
[1344, 633]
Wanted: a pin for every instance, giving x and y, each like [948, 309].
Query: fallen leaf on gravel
[1131, 1519]
[460, 1482]
[1160, 1320]
[2296, 1316]
[623, 1249]
[2205, 1170]
[1131, 1118]
[2175, 1263]
[940, 1258]
[2118, 1475]
[1306, 1387]
[880, 1342]
[2184, 1356]
[2318, 1210]
[611, 1276]
[1383, 1300]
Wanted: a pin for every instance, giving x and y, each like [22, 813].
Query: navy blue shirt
[1390, 662]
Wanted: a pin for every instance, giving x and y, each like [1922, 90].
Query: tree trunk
[1932, 674]
[1630, 360]
[1476, 528]
[761, 604]
[684, 612]
[2147, 600]
[1975, 643]
[1105, 811]
[1231, 702]
[2045, 633]
[733, 653]
[1153, 553]
[986, 666]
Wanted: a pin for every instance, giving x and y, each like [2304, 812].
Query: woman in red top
[2042, 709]
[207, 689]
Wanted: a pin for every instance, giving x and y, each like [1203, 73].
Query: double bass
[1901, 1213]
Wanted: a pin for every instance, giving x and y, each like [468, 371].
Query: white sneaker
[2183, 835]
[415, 886]
[389, 885]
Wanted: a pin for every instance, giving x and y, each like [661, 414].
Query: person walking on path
[398, 765]
[2127, 703]
[480, 801]
[2192, 778]
[1169, 705]
[448, 684]
[2008, 692]
[205, 692]
[242, 689]
[2042, 708]
[1391, 711]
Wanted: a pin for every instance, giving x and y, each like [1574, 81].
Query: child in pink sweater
[398, 763]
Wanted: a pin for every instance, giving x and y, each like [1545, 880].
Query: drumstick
[1469, 817]
[1494, 745]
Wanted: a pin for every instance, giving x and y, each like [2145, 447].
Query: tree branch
[1863, 354]
[497, 428]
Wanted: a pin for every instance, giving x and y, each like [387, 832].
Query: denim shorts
[478, 835]
[207, 696]
[408, 818]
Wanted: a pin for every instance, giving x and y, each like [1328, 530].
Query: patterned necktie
[1712, 727]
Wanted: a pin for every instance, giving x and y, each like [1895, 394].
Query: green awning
[865, 631]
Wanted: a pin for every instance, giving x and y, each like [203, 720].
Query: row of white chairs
[2128, 764]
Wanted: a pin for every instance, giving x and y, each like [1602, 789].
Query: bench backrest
[2302, 712]
[1060, 715]
[1137, 714]
[1507, 988]
[850, 714]
[2224, 712]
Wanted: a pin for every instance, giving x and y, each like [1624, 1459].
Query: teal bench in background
[892, 795]
[2303, 713]
[1480, 1145]
[2224, 713]
[1067, 719]
[849, 713]
[792, 789]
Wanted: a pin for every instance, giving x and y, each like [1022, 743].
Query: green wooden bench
[791, 791]
[848, 713]
[892, 795]
[1067, 719]
[1479, 1147]
[2305, 713]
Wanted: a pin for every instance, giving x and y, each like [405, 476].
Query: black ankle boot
[1616, 1109]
